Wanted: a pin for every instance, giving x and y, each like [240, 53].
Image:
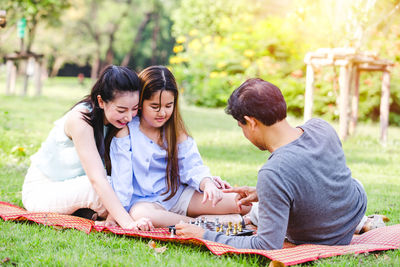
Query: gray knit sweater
[306, 193]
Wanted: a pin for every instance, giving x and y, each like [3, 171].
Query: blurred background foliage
[212, 46]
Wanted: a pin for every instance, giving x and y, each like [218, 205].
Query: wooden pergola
[351, 62]
[31, 59]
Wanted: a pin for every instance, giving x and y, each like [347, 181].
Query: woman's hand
[144, 224]
[245, 195]
[109, 222]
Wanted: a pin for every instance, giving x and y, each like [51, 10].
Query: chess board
[227, 228]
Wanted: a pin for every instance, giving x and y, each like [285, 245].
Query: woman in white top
[67, 173]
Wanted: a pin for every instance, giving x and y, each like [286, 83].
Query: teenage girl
[157, 171]
[67, 173]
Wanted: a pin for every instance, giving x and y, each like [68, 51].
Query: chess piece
[173, 232]
[227, 232]
[240, 228]
[217, 229]
[234, 231]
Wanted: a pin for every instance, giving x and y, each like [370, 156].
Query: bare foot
[373, 222]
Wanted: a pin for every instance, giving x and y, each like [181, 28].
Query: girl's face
[156, 111]
[121, 109]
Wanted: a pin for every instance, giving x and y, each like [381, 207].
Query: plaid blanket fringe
[384, 238]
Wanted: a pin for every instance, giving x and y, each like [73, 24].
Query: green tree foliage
[96, 32]
[222, 43]
[35, 12]
[129, 32]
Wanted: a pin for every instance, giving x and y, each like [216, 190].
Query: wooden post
[11, 77]
[355, 82]
[38, 77]
[26, 77]
[344, 100]
[384, 108]
[309, 94]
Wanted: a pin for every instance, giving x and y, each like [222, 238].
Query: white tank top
[57, 157]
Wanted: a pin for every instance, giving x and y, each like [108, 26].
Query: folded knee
[142, 209]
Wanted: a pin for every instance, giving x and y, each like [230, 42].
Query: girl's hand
[221, 184]
[211, 192]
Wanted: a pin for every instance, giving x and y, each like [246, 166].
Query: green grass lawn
[26, 121]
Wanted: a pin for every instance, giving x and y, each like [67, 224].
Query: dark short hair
[259, 99]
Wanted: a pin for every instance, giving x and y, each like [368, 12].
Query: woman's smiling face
[121, 109]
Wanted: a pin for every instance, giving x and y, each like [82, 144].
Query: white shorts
[41, 194]
[182, 205]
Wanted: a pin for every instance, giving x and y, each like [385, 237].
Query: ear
[251, 121]
[101, 102]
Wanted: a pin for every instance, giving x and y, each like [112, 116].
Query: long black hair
[112, 81]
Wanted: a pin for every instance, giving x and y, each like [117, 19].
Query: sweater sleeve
[121, 169]
[191, 167]
[273, 210]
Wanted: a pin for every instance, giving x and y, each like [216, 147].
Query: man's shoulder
[319, 127]
[272, 166]
[316, 122]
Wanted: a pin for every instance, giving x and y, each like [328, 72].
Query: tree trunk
[110, 51]
[138, 38]
[11, 77]
[31, 36]
[95, 66]
[57, 66]
[38, 77]
[156, 31]
[26, 78]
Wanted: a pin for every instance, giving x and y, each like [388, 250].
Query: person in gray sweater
[305, 191]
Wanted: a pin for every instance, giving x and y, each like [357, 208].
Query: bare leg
[226, 206]
[157, 214]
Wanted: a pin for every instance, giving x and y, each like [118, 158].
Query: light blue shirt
[139, 164]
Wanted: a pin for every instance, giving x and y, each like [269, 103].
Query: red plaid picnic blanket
[384, 238]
